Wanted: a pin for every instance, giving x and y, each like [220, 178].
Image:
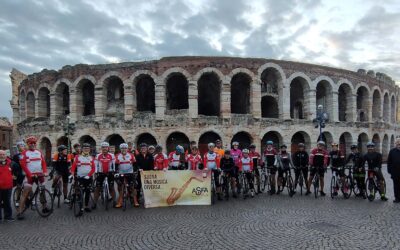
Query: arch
[345, 142]
[345, 101]
[209, 94]
[272, 84]
[113, 91]
[145, 93]
[44, 102]
[81, 79]
[177, 138]
[201, 72]
[205, 138]
[385, 147]
[327, 80]
[147, 138]
[274, 66]
[376, 105]
[362, 143]
[85, 98]
[299, 88]
[22, 105]
[393, 109]
[63, 140]
[177, 91]
[273, 136]
[300, 137]
[240, 93]
[104, 79]
[61, 81]
[243, 138]
[175, 70]
[324, 95]
[269, 107]
[115, 140]
[376, 139]
[62, 99]
[90, 140]
[30, 105]
[362, 103]
[45, 147]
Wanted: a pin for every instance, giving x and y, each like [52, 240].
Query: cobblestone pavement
[265, 222]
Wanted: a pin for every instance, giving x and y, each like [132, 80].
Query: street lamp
[320, 121]
[69, 129]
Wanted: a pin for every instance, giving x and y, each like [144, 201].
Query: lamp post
[320, 122]
[69, 129]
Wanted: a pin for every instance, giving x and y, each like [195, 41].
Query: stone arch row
[383, 142]
[210, 93]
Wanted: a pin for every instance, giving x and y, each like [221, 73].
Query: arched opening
[392, 141]
[206, 138]
[146, 138]
[62, 99]
[328, 139]
[30, 105]
[345, 142]
[115, 140]
[177, 92]
[393, 110]
[345, 101]
[145, 94]
[177, 138]
[362, 104]
[114, 92]
[209, 94]
[385, 147]
[63, 140]
[44, 102]
[376, 106]
[376, 139]
[386, 108]
[362, 143]
[324, 96]
[300, 137]
[298, 98]
[269, 107]
[91, 141]
[21, 102]
[240, 93]
[85, 98]
[273, 136]
[45, 147]
[243, 138]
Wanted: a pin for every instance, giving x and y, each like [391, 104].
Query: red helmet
[31, 140]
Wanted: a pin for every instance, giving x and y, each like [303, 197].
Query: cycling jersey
[318, 158]
[236, 155]
[125, 163]
[270, 157]
[284, 161]
[193, 161]
[174, 160]
[227, 165]
[300, 159]
[246, 164]
[33, 163]
[256, 157]
[160, 161]
[83, 166]
[211, 160]
[219, 151]
[357, 160]
[336, 159]
[105, 163]
[374, 160]
[61, 163]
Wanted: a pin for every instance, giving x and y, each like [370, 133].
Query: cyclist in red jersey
[257, 162]
[318, 161]
[194, 159]
[160, 159]
[270, 159]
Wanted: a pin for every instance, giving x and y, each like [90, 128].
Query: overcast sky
[49, 34]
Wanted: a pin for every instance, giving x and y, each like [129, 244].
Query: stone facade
[6, 132]
[178, 99]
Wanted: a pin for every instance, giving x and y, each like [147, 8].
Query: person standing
[144, 162]
[6, 185]
[393, 166]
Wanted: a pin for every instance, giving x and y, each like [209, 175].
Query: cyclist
[61, 164]
[236, 154]
[194, 159]
[176, 158]
[33, 164]
[284, 163]
[83, 169]
[270, 154]
[124, 162]
[212, 161]
[18, 174]
[77, 150]
[218, 148]
[160, 159]
[152, 149]
[228, 169]
[105, 167]
[358, 169]
[257, 161]
[336, 161]
[6, 185]
[246, 166]
[300, 162]
[374, 161]
[318, 162]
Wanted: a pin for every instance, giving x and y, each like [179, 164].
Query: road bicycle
[337, 183]
[373, 185]
[287, 181]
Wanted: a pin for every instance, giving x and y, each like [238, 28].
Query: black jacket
[393, 162]
[227, 164]
[145, 162]
[300, 159]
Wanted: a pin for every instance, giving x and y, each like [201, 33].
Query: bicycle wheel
[124, 197]
[44, 198]
[356, 190]
[213, 192]
[370, 184]
[383, 188]
[333, 186]
[78, 202]
[16, 197]
[316, 185]
[301, 183]
[245, 187]
[346, 188]
[105, 194]
[57, 194]
[290, 186]
[263, 182]
[70, 195]
[226, 187]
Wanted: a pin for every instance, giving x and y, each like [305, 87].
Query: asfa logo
[200, 191]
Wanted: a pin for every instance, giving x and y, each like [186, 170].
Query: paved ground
[265, 222]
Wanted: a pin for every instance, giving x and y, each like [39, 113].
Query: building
[6, 132]
[178, 99]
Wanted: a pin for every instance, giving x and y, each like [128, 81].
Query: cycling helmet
[31, 140]
[354, 146]
[322, 143]
[334, 144]
[123, 146]
[152, 147]
[227, 152]
[179, 149]
[211, 144]
[252, 146]
[20, 143]
[283, 146]
[143, 145]
[370, 145]
[61, 148]
[105, 144]
[77, 145]
[301, 145]
[218, 141]
[86, 145]
[245, 151]
[158, 148]
[195, 148]
[270, 142]
[235, 143]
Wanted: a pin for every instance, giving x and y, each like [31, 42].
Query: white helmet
[123, 145]
[211, 144]
[245, 151]
[235, 143]
[105, 144]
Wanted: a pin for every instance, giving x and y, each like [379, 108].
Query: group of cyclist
[90, 171]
